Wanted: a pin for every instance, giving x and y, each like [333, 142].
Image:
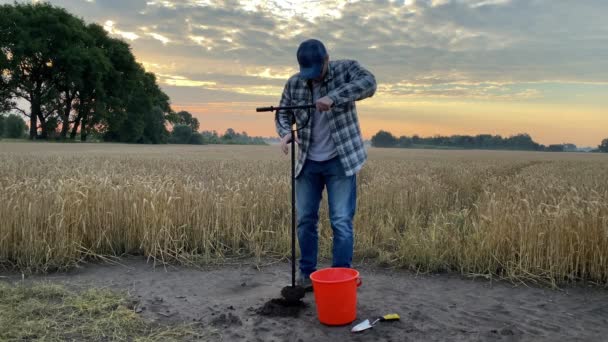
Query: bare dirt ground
[432, 307]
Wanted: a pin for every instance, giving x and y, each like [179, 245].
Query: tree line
[482, 141]
[183, 134]
[77, 81]
[186, 132]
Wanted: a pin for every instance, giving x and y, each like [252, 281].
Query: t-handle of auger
[273, 108]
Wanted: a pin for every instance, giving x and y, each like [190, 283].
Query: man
[331, 150]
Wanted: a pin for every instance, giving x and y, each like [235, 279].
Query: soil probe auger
[292, 294]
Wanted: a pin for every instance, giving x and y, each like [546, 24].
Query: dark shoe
[305, 282]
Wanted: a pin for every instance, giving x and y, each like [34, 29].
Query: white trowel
[367, 324]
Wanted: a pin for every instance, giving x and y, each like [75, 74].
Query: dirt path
[432, 307]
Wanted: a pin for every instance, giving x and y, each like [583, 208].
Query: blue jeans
[342, 198]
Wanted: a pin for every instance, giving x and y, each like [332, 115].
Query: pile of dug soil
[279, 307]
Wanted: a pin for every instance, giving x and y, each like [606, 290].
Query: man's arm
[283, 118]
[362, 85]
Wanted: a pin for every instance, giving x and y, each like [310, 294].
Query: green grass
[47, 312]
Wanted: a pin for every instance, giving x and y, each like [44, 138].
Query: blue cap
[311, 57]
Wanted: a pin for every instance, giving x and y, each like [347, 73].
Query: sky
[442, 66]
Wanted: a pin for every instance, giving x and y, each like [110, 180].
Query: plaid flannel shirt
[345, 82]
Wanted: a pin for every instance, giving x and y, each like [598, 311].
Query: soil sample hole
[279, 307]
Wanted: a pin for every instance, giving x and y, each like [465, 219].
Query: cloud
[459, 46]
[110, 27]
[443, 66]
[271, 73]
[485, 91]
[159, 37]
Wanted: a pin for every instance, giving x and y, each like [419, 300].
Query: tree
[14, 127]
[69, 69]
[130, 98]
[522, 142]
[404, 141]
[384, 139]
[185, 118]
[154, 129]
[181, 134]
[35, 43]
[603, 147]
[230, 134]
[6, 100]
[1, 125]
[91, 98]
[196, 139]
[51, 125]
[156, 117]
[487, 141]
[555, 148]
[210, 137]
[77, 79]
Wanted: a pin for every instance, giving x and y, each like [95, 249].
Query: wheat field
[522, 216]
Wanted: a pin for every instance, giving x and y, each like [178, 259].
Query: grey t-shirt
[322, 146]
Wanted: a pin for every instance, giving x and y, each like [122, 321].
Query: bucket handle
[359, 281]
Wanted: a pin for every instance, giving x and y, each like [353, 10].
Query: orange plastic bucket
[335, 292]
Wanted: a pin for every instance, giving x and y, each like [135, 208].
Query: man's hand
[324, 104]
[285, 141]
